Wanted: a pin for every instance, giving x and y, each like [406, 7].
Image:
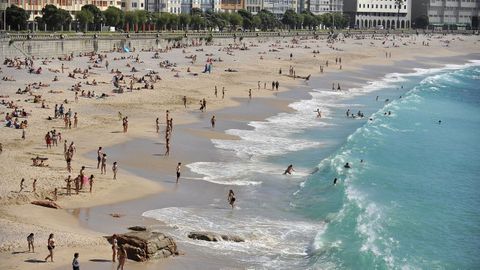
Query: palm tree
[399, 4]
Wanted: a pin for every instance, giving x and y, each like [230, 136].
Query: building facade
[254, 6]
[232, 5]
[378, 14]
[449, 14]
[318, 7]
[34, 7]
[278, 7]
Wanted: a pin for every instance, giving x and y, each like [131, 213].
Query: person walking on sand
[216, 91]
[179, 165]
[157, 125]
[30, 239]
[90, 182]
[99, 157]
[75, 263]
[250, 93]
[115, 170]
[103, 169]
[22, 186]
[231, 198]
[34, 186]
[212, 121]
[122, 256]
[50, 247]
[114, 247]
[223, 92]
[184, 99]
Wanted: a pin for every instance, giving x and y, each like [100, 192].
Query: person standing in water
[157, 125]
[179, 165]
[114, 247]
[212, 121]
[231, 198]
[122, 256]
[289, 170]
[319, 113]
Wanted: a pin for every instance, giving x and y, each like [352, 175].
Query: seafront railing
[44, 44]
[22, 36]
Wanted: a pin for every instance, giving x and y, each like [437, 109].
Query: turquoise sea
[409, 201]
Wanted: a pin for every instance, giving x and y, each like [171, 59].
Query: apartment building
[378, 14]
[278, 7]
[448, 13]
[318, 7]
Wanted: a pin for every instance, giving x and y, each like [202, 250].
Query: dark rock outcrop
[146, 245]
[214, 237]
[138, 228]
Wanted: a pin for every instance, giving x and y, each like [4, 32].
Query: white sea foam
[263, 237]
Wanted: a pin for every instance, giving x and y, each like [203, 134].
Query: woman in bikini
[51, 247]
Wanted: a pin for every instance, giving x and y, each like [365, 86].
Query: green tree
[247, 18]
[131, 19]
[98, 17]
[196, 11]
[399, 4]
[55, 17]
[84, 17]
[421, 22]
[309, 20]
[16, 17]
[113, 16]
[268, 21]
[235, 20]
[142, 17]
[161, 20]
[197, 22]
[290, 18]
[184, 20]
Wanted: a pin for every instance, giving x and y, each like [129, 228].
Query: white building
[448, 14]
[323, 6]
[278, 7]
[128, 5]
[182, 6]
[254, 6]
[378, 14]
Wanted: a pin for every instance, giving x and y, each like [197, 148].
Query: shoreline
[148, 186]
[208, 187]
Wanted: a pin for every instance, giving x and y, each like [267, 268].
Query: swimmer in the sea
[289, 170]
[347, 166]
[231, 198]
[439, 122]
[335, 181]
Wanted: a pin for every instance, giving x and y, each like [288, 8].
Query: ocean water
[409, 201]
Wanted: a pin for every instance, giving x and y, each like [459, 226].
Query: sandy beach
[99, 125]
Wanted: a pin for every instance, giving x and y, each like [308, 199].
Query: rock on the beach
[145, 245]
[214, 237]
[138, 228]
[49, 204]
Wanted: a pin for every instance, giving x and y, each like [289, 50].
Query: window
[134, 5]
